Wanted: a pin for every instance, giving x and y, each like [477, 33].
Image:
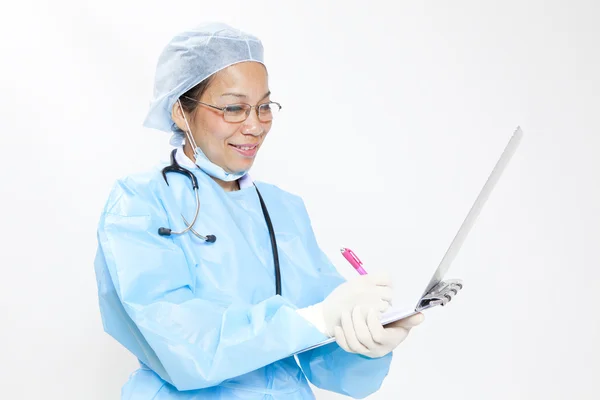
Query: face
[232, 146]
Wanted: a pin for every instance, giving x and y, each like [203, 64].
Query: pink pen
[353, 260]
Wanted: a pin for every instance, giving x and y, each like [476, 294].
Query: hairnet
[188, 59]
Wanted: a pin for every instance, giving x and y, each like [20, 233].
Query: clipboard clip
[440, 294]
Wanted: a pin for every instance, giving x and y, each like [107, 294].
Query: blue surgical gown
[203, 319]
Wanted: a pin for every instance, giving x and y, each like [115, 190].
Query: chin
[241, 167]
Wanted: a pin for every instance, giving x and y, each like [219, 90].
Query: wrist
[314, 315]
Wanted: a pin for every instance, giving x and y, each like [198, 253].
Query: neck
[227, 186]
[187, 150]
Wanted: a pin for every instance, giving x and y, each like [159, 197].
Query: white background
[394, 114]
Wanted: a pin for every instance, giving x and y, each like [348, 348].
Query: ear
[177, 114]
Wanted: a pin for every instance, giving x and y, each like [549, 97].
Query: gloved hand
[373, 291]
[363, 333]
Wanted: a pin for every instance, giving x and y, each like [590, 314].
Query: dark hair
[187, 99]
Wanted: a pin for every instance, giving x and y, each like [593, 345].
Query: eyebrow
[243, 96]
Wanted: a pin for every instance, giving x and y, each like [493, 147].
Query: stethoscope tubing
[175, 167]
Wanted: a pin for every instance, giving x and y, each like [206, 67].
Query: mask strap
[188, 133]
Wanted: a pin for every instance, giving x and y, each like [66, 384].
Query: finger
[350, 334]
[383, 306]
[395, 335]
[409, 322]
[379, 279]
[378, 333]
[385, 293]
[340, 339]
[363, 334]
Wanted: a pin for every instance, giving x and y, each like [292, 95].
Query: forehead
[243, 78]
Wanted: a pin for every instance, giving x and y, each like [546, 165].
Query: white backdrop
[394, 114]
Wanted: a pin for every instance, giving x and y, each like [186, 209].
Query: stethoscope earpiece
[211, 238]
[164, 231]
[167, 232]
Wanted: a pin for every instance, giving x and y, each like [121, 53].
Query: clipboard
[439, 292]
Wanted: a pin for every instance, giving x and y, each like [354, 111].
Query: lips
[244, 147]
[245, 150]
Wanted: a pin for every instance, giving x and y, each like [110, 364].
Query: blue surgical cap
[191, 57]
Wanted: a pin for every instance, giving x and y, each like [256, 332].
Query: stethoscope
[175, 167]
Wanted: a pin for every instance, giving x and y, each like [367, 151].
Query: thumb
[408, 322]
[379, 279]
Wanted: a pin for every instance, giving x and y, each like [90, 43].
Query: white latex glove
[373, 291]
[363, 333]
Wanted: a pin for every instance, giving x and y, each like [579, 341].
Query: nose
[252, 125]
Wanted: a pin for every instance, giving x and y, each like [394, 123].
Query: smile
[245, 150]
[244, 146]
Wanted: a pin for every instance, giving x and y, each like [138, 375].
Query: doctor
[222, 319]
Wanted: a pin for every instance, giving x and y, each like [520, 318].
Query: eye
[235, 109]
[266, 109]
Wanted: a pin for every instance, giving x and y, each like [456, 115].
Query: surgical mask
[202, 161]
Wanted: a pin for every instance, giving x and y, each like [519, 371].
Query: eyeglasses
[239, 112]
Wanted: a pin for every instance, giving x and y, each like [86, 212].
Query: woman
[215, 318]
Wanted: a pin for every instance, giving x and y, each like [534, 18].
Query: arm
[330, 367]
[190, 341]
